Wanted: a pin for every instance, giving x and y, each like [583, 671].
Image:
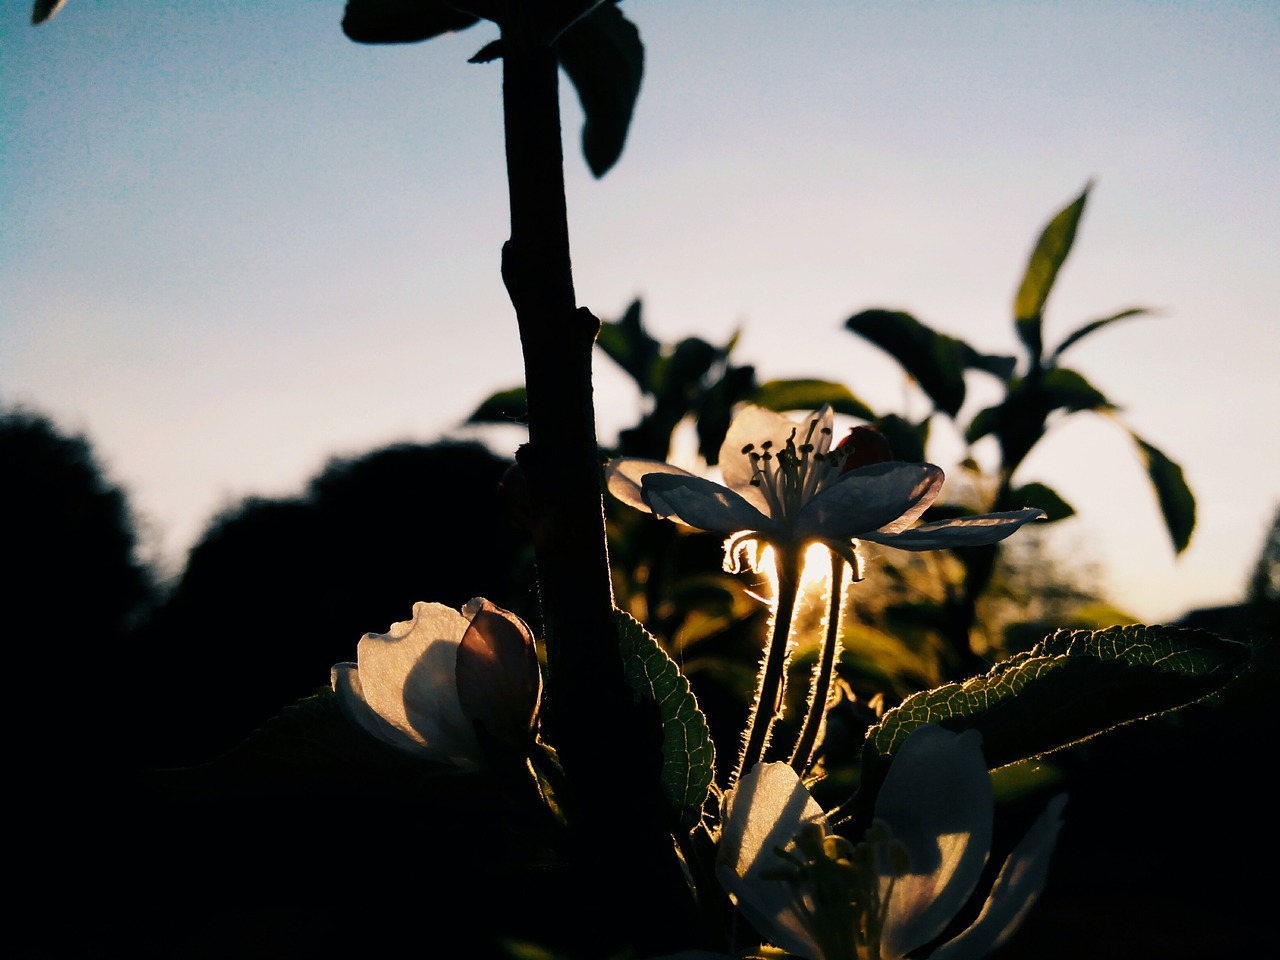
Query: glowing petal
[937, 800]
[962, 532]
[870, 498]
[763, 813]
[625, 478]
[700, 503]
[1015, 891]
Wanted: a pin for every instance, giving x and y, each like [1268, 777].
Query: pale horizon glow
[237, 244]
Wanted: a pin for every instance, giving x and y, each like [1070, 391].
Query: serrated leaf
[1047, 258]
[1093, 325]
[1073, 685]
[1039, 495]
[1177, 504]
[505, 406]
[401, 21]
[688, 755]
[935, 360]
[604, 59]
[807, 394]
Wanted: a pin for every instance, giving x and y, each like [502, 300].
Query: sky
[236, 244]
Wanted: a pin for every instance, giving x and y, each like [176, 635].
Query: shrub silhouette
[73, 585]
[278, 590]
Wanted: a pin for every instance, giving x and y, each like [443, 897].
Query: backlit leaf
[1046, 260]
[1177, 504]
[505, 406]
[786, 395]
[1071, 686]
[688, 755]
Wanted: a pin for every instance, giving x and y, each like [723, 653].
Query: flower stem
[609, 746]
[824, 673]
[768, 704]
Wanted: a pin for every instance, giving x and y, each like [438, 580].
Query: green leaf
[679, 374]
[401, 21]
[1090, 327]
[715, 408]
[505, 406]
[1071, 686]
[1177, 503]
[44, 10]
[935, 360]
[785, 395]
[309, 746]
[627, 344]
[604, 58]
[984, 422]
[1065, 389]
[907, 440]
[1039, 495]
[1046, 259]
[688, 754]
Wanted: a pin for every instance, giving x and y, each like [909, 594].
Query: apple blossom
[785, 484]
[445, 684]
[821, 897]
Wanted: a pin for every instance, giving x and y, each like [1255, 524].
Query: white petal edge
[1015, 891]
[869, 499]
[763, 812]
[625, 478]
[937, 799]
[345, 679]
[701, 503]
[408, 677]
[962, 532]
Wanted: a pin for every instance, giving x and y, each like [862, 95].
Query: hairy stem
[824, 672]
[767, 707]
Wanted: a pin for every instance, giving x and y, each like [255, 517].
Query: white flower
[785, 484]
[429, 684]
[820, 897]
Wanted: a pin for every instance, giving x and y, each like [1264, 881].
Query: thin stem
[824, 673]
[767, 707]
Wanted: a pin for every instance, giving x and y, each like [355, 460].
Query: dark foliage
[276, 591]
[73, 586]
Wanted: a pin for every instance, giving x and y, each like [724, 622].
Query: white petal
[961, 532]
[937, 800]
[701, 503]
[345, 679]
[625, 477]
[869, 498]
[763, 812]
[757, 426]
[1015, 891]
[408, 677]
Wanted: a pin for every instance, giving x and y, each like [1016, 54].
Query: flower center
[794, 473]
[837, 886]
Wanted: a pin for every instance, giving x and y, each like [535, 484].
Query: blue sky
[236, 243]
